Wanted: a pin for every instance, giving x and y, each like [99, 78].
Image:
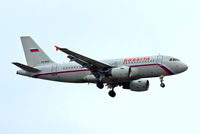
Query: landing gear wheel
[162, 85]
[112, 93]
[100, 85]
[161, 80]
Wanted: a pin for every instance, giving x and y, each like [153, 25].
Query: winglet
[57, 48]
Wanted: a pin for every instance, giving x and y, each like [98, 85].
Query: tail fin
[34, 54]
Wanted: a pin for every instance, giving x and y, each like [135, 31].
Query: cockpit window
[173, 59]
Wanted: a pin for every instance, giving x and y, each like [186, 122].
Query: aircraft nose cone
[185, 67]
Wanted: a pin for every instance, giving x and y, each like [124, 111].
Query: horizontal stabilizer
[26, 68]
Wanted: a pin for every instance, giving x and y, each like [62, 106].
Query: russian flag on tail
[32, 50]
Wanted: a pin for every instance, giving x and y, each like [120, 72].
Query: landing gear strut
[100, 85]
[112, 93]
[161, 80]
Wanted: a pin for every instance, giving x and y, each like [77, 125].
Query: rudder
[34, 54]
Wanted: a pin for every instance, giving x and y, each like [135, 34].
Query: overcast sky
[100, 29]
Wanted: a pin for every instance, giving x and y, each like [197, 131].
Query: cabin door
[159, 59]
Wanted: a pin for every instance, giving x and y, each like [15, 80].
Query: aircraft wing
[96, 67]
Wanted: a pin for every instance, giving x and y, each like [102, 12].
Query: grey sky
[100, 30]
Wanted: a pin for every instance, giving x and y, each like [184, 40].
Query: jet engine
[137, 85]
[124, 72]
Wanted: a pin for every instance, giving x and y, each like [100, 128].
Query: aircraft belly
[49, 77]
[76, 77]
[66, 76]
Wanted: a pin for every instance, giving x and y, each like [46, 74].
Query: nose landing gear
[161, 80]
[162, 85]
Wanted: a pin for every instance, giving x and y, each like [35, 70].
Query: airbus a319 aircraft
[126, 72]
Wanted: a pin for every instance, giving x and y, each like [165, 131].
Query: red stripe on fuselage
[165, 70]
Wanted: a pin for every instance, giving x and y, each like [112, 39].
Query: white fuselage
[150, 66]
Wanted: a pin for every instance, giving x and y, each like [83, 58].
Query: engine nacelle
[120, 73]
[137, 85]
[124, 73]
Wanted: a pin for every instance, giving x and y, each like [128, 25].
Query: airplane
[128, 73]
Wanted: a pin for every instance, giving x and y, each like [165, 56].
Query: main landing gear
[100, 85]
[111, 93]
[161, 80]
